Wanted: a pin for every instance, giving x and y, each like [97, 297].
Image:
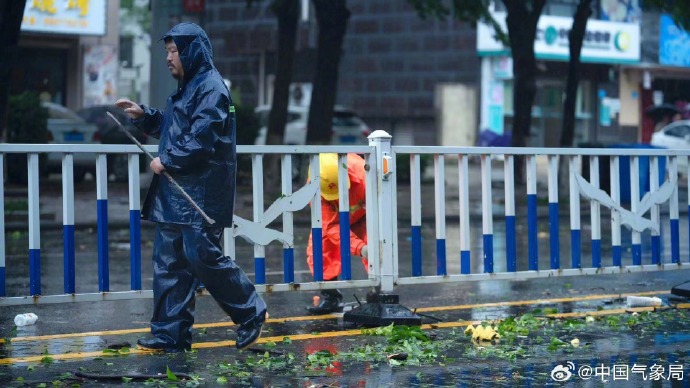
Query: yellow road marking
[303, 337]
[340, 333]
[146, 330]
[331, 316]
[538, 301]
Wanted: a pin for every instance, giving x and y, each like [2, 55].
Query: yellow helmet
[328, 169]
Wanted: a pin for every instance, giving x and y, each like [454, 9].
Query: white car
[66, 127]
[675, 135]
[348, 128]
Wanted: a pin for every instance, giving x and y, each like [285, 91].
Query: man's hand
[157, 166]
[365, 251]
[132, 109]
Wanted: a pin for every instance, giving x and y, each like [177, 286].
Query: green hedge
[402, 164]
[27, 122]
[247, 129]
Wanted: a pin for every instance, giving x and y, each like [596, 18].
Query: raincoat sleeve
[196, 145]
[150, 123]
[331, 230]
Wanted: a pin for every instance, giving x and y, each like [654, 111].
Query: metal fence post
[387, 252]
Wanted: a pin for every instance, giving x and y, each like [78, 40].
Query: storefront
[665, 76]
[68, 52]
[598, 108]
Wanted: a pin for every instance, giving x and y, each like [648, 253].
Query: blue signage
[674, 43]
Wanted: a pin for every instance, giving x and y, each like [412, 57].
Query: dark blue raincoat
[197, 148]
[197, 139]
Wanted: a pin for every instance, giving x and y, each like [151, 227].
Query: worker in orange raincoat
[331, 300]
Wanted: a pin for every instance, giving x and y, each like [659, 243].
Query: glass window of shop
[547, 112]
[43, 71]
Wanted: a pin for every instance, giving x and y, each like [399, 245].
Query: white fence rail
[641, 195]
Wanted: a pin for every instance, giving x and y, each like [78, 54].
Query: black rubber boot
[331, 302]
[156, 344]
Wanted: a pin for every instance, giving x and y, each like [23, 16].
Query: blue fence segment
[3, 282]
[636, 254]
[675, 241]
[575, 249]
[35, 271]
[466, 252]
[656, 249]
[532, 241]
[345, 256]
[644, 172]
[103, 260]
[617, 253]
[289, 265]
[135, 249]
[417, 250]
[69, 261]
[260, 270]
[317, 245]
[441, 256]
[554, 238]
[465, 264]
[488, 253]
[596, 253]
[511, 245]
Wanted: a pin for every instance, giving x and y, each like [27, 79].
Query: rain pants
[331, 223]
[197, 148]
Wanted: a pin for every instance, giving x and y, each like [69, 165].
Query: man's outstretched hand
[365, 251]
[132, 109]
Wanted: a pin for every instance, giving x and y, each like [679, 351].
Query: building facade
[411, 77]
[392, 62]
[601, 107]
[663, 74]
[68, 52]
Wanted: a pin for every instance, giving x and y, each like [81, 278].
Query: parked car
[674, 135]
[348, 128]
[109, 133]
[66, 127]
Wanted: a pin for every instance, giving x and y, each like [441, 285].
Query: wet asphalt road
[82, 332]
[76, 337]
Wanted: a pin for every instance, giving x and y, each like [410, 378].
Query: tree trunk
[287, 13]
[522, 21]
[332, 17]
[576, 37]
[11, 14]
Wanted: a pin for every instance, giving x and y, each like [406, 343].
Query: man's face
[173, 60]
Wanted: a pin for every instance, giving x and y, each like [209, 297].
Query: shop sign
[193, 6]
[604, 42]
[674, 43]
[79, 17]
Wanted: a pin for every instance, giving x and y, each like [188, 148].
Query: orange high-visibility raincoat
[331, 223]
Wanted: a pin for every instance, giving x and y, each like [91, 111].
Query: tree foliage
[137, 10]
[679, 9]
[470, 11]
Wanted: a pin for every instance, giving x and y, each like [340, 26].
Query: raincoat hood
[194, 47]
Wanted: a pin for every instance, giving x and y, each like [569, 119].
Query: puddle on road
[533, 350]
